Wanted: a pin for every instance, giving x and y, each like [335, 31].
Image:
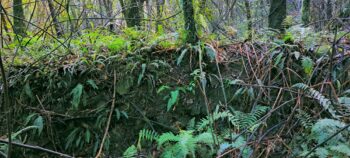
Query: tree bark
[108, 5]
[329, 10]
[305, 11]
[249, 19]
[59, 31]
[190, 23]
[159, 6]
[278, 12]
[18, 23]
[132, 12]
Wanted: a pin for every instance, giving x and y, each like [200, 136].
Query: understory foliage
[246, 99]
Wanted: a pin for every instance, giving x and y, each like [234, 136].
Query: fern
[183, 144]
[323, 101]
[321, 131]
[238, 119]
[305, 119]
[288, 21]
[342, 149]
[148, 135]
[166, 137]
[307, 64]
[324, 128]
[130, 152]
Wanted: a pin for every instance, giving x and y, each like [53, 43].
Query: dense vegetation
[175, 78]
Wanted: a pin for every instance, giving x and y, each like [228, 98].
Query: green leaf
[162, 88]
[173, 99]
[125, 114]
[278, 59]
[76, 93]
[141, 74]
[39, 122]
[344, 100]
[87, 136]
[211, 53]
[130, 152]
[322, 152]
[307, 64]
[117, 113]
[124, 85]
[235, 81]
[28, 91]
[179, 60]
[92, 83]
[28, 118]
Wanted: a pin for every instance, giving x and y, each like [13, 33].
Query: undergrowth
[207, 100]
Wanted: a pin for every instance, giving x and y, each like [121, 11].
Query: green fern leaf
[342, 148]
[76, 93]
[130, 152]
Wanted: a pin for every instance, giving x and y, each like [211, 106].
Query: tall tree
[59, 30]
[132, 12]
[108, 5]
[277, 13]
[159, 6]
[18, 19]
[190, 23]
[249, 19]
[305, 11]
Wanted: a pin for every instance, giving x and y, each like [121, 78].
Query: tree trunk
[278, 12]
[329, 10]
[132, 12]
[159, 5]
[59, 31]
[108, 4]
[346, 12]
[18, 13]
[305, 11]
[190, 23]
[249, 19]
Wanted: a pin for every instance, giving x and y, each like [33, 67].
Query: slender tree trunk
[59, 31]
[190, 23]
[278, 12]
[346, 11]
[329, 10]
[305, 11]
[18, 23]
[249, 19]
[159, 5]
[108, 4]
[85, 20]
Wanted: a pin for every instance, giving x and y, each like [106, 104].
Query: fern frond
[149, 135]
[237, 119]
[323, 101]
[288, 21]
[305, 119]
[130, 152]
[167, 137]
[205, 138]
[204, 123]
[325, 128]
[342, 148]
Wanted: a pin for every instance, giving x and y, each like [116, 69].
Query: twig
[38, 148]
[109, 117]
